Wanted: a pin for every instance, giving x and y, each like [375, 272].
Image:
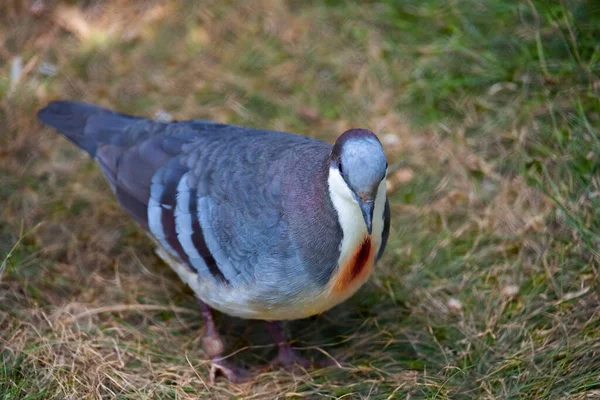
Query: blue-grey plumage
[263, 224]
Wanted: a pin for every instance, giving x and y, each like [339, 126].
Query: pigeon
[260, 224]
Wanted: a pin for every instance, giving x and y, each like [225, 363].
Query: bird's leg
[213, 346]
[286, 355]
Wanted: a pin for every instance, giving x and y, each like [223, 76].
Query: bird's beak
[366, 206]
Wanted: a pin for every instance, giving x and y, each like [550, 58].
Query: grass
[489, 112]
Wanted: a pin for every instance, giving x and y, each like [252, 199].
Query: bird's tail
[84, 124]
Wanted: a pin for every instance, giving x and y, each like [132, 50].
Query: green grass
[490, 110]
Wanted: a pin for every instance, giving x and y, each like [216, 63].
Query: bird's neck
[354, 229]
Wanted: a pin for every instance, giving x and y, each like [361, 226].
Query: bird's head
[357, 170]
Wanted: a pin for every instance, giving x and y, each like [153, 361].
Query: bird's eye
[340, 168]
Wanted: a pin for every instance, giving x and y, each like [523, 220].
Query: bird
[260, 224]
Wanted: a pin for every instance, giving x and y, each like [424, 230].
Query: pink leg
[286, 356]
[213, 346]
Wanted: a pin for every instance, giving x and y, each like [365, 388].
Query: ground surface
[489, 113]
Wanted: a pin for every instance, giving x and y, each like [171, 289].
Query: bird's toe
[288, 358]
[230, 371]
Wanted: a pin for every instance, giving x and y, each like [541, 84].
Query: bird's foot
[233, 373]
[214, 348]
[288, 358]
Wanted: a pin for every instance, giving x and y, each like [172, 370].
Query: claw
[228, 370]
[288, 357]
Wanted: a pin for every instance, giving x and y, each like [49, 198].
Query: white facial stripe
[350, 216]
[349, 213]
[345, 203]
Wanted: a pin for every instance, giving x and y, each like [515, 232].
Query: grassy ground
[489, 112]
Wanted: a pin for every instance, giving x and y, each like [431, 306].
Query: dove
[259, 224]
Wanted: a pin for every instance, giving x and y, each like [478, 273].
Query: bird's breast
[353, 269]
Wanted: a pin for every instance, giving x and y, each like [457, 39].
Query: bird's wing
[210, 193]
[240, 184]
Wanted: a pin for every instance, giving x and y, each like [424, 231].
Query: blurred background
[489, 114]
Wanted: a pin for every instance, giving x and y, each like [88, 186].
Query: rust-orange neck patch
[356, 266]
